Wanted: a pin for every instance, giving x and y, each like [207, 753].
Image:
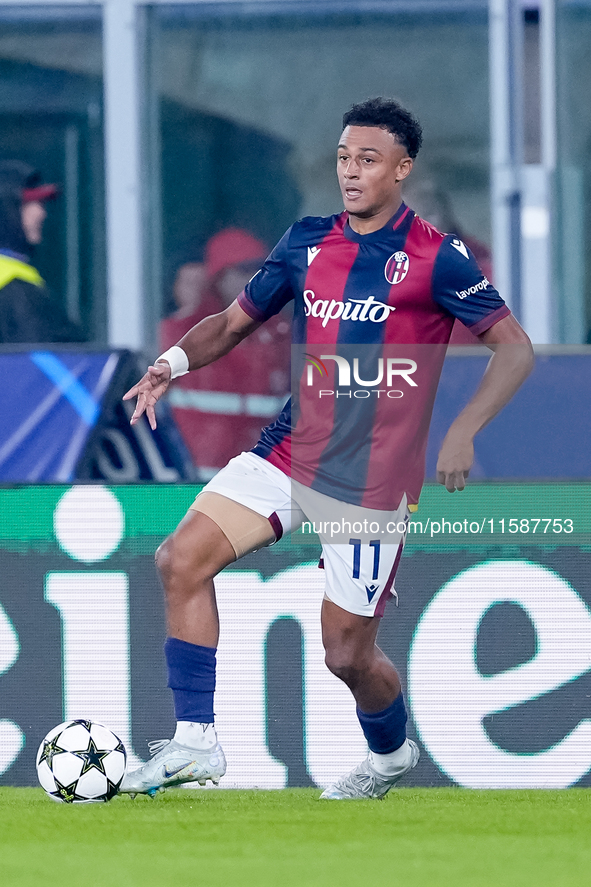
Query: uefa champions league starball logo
[396, 267]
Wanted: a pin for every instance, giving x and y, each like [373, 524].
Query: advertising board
[492, 636]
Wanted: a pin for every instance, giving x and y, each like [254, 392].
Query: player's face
[370, 166]
[32, 217]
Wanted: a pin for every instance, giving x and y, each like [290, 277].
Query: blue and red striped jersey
[373, 314]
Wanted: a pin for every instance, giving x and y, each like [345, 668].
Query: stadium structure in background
[63, 421]
[495, 600]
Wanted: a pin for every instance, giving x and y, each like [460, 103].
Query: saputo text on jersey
[353, 309]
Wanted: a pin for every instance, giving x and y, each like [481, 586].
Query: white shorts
[360, 567]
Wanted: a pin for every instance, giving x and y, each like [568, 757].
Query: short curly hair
[390, 115]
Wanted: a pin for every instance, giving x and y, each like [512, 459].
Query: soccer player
[376, 290]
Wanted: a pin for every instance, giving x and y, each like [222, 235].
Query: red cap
[41, 192]
[233, 246]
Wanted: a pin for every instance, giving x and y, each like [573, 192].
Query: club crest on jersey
[397, 267]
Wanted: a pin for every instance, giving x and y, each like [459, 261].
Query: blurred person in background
[189, 286]
[433, 205]
[28, 311]
[220, 409]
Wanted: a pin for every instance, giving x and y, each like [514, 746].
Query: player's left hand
[455, 461]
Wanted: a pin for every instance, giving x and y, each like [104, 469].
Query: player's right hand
[148, 390]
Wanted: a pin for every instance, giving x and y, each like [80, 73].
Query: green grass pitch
[415, 838]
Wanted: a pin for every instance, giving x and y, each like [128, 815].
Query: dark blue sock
[191, 677]
[385, 730]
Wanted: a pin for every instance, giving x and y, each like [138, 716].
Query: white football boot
[365, 782]
[173, 764]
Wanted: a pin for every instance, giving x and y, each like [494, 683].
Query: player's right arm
[208, 340]
[217, 335]
[264, 295]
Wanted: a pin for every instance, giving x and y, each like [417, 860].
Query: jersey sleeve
[461, 288]
[270, 289]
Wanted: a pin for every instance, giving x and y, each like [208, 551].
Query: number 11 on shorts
[375, 544]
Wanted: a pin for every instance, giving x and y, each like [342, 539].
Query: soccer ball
[80, 762]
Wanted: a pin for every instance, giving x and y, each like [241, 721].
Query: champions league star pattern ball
[80, 762]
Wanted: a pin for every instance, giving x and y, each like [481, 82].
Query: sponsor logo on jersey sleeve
[471, 291]
[396, 267]
[461, 247]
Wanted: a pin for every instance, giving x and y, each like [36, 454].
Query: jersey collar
[382, 233]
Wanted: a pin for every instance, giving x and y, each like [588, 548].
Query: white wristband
[178, 360]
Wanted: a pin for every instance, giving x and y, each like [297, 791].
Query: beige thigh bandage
[245, 529]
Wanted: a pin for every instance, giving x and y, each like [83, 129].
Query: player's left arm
[509, 366]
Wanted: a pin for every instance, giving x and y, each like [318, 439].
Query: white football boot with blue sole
[365, 782]
[174, 764]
